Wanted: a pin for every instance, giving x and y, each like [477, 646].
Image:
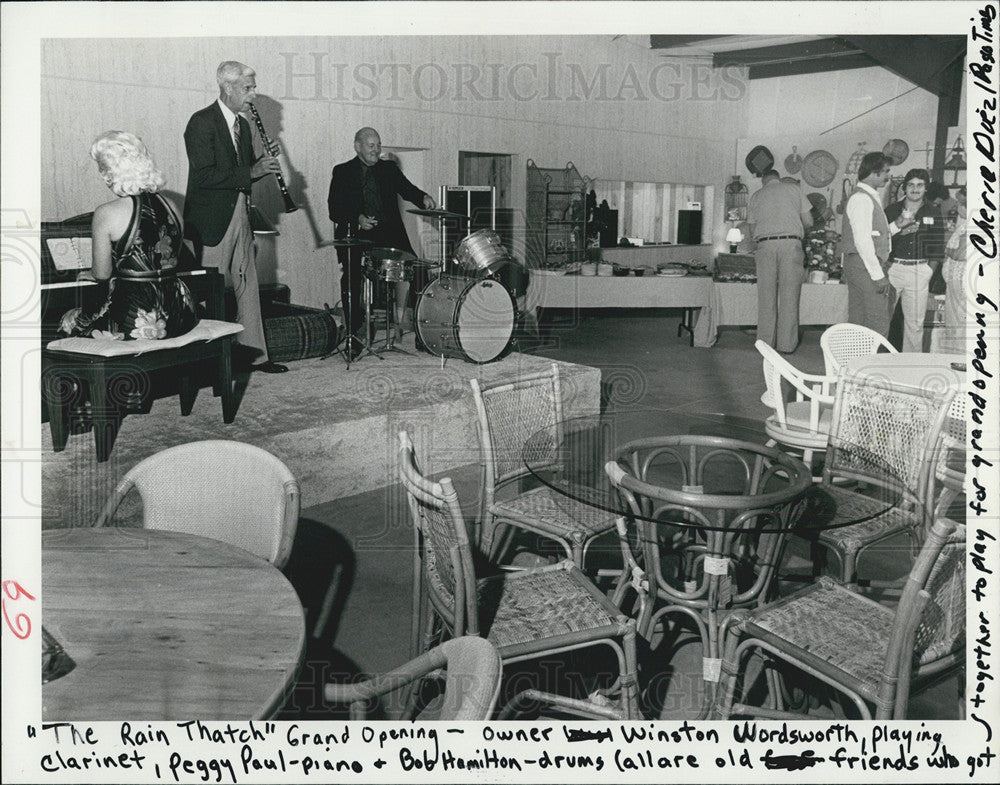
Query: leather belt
[909, 262]
[779, 237]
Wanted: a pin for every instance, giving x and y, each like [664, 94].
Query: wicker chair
[227, 490]
[870, 653]
[471, 685]
[526, 614]
[804, 423]
[886, 438]
[845, 341]
[509, 413]
[949, 469]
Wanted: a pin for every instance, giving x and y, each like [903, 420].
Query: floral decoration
[149, 325]
[820, 248]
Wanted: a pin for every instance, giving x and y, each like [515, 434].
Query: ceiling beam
[806, 57]
[671, 41]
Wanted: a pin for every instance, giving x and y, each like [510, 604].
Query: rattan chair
[526, 614]
[884, 437]
[509, 413]
[802, 424]
[872, 654]
[472, 680]
[845, 341]
[230, 491]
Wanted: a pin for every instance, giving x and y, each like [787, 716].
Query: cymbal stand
[343, 345]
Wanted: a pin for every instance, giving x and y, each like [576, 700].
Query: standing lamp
[734, 237]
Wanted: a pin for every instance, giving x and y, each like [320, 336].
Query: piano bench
[107, 368]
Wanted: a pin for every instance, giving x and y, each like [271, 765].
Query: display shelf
[555, 216]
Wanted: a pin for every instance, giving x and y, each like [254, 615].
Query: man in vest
[867, 240]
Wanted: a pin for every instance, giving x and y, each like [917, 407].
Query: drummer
[363, 203]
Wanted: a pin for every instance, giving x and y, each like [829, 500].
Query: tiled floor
[363, 543]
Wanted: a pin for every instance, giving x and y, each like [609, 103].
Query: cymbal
[391, 255]
[349, 242]
[438, 214]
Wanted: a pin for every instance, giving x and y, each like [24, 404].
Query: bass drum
[461, 317]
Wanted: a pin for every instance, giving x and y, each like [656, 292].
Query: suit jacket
[214, 180]
[345, 202]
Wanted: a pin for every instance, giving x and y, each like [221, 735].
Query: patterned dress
[145, 299]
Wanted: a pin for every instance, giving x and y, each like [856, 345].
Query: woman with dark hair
[136, 245]
[917, 250]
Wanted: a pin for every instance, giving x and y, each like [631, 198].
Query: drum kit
[467, 312]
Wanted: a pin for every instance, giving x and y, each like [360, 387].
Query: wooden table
[166, 626]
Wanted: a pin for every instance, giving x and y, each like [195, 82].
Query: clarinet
[290, 206]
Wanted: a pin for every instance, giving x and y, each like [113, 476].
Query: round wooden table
[166, 626]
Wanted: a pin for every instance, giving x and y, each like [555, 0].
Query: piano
[65, 254]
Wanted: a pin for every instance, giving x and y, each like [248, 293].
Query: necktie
[369, 192]
[239, 160]
[236, 139]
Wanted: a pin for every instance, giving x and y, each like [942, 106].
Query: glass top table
[572, 456]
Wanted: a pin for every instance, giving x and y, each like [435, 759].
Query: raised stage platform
[334, 428]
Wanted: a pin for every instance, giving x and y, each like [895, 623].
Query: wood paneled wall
[612, 108]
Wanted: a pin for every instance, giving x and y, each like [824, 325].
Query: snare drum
[472, 319]
[481, 252]
[388, 269]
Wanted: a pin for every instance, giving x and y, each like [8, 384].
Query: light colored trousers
[779, 285]
[235, 257]
[955, 300]
[910, 282]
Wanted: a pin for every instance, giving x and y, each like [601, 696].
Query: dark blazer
[214, 179]
[345, 202]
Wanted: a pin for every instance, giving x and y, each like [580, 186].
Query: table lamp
[734, 237]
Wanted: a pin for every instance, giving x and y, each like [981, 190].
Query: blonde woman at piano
[136, 245]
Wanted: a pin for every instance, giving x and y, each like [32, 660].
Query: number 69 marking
[21, 626]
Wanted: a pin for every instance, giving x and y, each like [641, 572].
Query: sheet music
[71, 253]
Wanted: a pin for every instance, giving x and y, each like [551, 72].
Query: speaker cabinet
[689, 227]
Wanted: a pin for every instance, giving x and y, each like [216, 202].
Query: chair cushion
[830, 622]
[543, 510]
[797, 416]
[205, 330]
